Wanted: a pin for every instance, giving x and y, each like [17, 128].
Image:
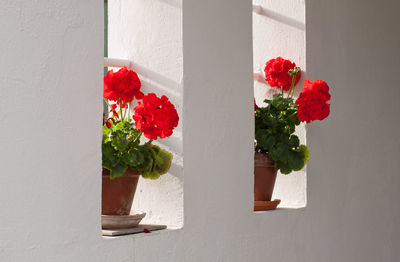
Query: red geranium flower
[277, 73]
[114, 110]
[255, 107]
[123, 84]
[155, 117]
[313, 100]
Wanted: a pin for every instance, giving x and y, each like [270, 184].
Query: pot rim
[129, 172]
[263, 159]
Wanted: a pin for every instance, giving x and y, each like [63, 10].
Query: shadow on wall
[174, 3]
[156, 81]
[280, 18]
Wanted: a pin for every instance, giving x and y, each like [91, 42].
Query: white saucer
[118, 222]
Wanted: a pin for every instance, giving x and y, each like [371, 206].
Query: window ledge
[134, 230]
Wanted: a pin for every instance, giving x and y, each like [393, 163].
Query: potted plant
[277, 148]
[125, 154]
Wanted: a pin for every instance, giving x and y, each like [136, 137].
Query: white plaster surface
[353, 173]
[51, 78]
[279, 30]
[149, 33]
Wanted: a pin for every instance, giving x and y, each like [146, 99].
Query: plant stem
[120, 109]
[291, 90]
[126, 110]
[137, 137]
[291, 115]
[105, 100]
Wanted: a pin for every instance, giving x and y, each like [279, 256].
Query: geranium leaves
[160, 164]
[118, 170]
[122, 150]
[275, 127]
[293, 141]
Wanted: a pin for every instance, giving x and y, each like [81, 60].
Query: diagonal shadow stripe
[281, 18]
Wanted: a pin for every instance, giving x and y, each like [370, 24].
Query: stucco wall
[149, 33]
[51, 69]
[353, 174]
[51, 79]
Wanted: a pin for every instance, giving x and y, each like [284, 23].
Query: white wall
[149, 33]
[353, 175]
[279, 30]
[51, 69]
[50, 148]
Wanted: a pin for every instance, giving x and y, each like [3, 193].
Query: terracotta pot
[264, 177]
[117, 194]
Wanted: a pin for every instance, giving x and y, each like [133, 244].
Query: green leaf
[121, 149]
[152, 174]
[108, 155]
[296, 160]
[306, 153]
[117, 171]
[282, 151]
[275, 125]
[294, 141]
[162, 161]
[106, 133]
[285, 169]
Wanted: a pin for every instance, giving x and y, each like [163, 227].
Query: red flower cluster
[155, 117]
[277, 73]
[123, 84]
[313, 100]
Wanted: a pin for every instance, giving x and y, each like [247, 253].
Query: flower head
[122, 85]
[277, 73]
[312, 102]
[155, 117]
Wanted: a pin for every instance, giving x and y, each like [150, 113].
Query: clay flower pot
[264, 177]
[118, 194]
